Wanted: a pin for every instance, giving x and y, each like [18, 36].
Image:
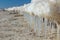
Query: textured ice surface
[24, 27]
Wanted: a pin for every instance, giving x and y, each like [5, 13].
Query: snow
[38, 7]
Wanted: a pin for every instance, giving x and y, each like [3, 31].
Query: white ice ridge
[38, 7]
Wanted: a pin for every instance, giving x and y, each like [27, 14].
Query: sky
[12, 3]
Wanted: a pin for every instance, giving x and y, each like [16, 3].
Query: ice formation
[41, 25]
